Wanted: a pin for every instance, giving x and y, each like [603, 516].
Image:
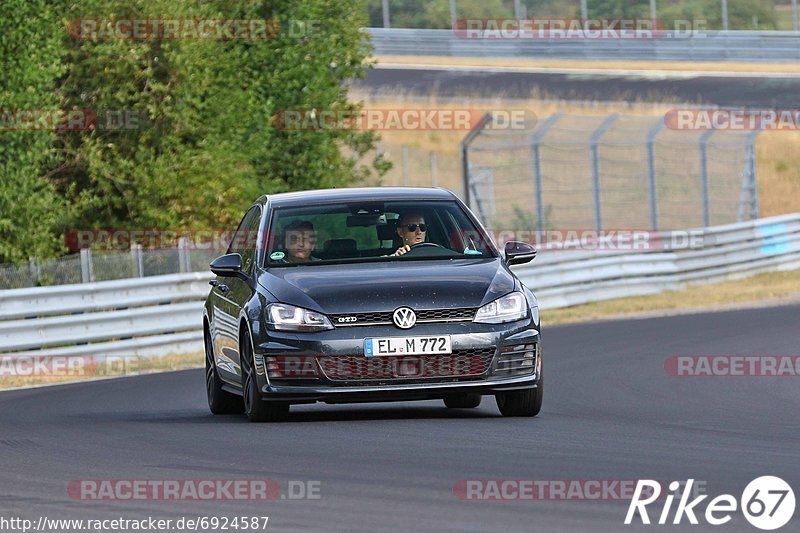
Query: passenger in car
[300, 240]
[412, 229]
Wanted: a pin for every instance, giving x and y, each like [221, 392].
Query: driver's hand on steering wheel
[402, 250]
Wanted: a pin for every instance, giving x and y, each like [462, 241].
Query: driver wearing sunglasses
[411, 229]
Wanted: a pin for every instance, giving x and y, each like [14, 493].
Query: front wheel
[256, 409]
[220, 402]
[525, 403]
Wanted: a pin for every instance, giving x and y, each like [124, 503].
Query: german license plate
[435, 345]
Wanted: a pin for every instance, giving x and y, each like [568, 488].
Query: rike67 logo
[767, 503]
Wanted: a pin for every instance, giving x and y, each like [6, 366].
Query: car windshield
[374, 231]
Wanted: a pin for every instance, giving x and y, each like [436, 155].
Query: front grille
[461, 364]
[519, 360]
[361, 319]
[447, 315]
[463, 314]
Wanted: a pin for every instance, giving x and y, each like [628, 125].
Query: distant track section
[732, 90]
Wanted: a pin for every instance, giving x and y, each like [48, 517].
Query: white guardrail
[670, 46]
[161, 315]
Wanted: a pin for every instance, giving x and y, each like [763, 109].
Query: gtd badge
[404, 318]
[347, 319]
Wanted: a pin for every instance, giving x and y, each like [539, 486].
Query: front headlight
[509, 308]
[287, 317]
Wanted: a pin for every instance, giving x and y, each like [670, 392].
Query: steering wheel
[434, 250]
[421, 244]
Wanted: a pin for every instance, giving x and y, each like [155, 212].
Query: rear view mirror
[357, 221]
[518, 253]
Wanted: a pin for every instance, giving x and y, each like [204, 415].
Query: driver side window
[245, 239]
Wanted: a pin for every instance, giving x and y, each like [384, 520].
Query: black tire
[256, 409]
[220, 402]
[463, 401]
[525, 403]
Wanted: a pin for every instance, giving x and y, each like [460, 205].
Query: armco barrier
[163, 315]
[698, 46]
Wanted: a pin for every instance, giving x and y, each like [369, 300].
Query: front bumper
[498, 340]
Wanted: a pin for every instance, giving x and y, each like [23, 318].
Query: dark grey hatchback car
[366, 295]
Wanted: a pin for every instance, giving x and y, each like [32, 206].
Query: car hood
[385, 286]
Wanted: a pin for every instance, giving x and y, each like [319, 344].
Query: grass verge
[771, 288]
[595, 64]
[13, 375]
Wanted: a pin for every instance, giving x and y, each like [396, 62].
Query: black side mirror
[229, 266]
[518, 253]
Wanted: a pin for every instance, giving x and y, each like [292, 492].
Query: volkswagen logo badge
[404, 317]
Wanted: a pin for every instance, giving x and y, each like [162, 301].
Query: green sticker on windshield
[277, 256]
[468, 251]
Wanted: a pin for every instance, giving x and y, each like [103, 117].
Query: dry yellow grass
[778, 171]
[768, 288]
[682, 66]
[119, 367]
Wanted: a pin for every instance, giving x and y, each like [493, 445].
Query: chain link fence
[89, 266]
[606, 172]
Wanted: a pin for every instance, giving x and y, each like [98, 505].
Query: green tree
[206, 145]
[30, 46]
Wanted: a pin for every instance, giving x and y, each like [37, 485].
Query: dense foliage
[184, 134]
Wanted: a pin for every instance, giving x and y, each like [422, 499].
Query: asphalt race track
[611, 412]
[736, 90]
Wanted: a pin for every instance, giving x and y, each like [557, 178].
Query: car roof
[304, 198]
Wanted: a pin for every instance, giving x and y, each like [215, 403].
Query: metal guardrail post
[137, 259]
[36, 272]
[753, 174]
[704, 138]
[651, 173]
[385, 6]
[536, 141]
[87, 270]
[596, 136]
[724, 15]
[183, 255]
[478, 201]
[464, 149]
